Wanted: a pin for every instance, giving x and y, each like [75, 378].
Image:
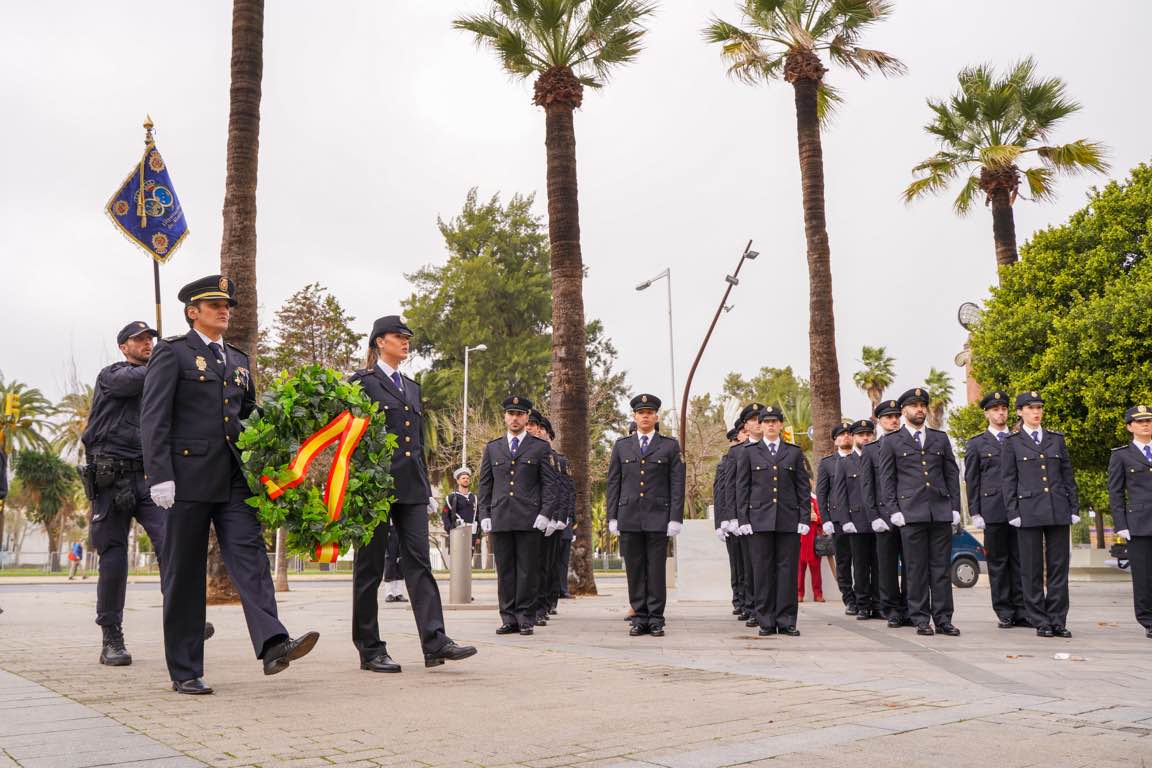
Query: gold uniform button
[185, 451]
[228, 438]
[513, 482]
[927, 485]
[643, 461]
[407, 453]
[226, 418]
[1041, 455]
[407, 439]
[641, 483]
[641, 471]
[1045, 490]
[641, 494]
[1045, 479]
[225, 401]
[924, 463]
[510, 493]
[405, 407]
[407, 423]
[201, 378]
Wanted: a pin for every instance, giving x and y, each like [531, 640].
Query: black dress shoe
[924, 629]
[541, 621]
[508, 629]
[636, 630]
[851, 610]
[895, 622]
[552, 612]
[745, 615]
[790, 630]
[751, 623]
[526, 630]
[1022, 622]
[766, 631]
[1059, 631]
[1005, 623]
[390, 598]
[450, 651]
[947, 629]
[1148, 633]
[1043, 631]
[863, 615]
[209, 630]
[277, 658]
[400, 599]
[194, 687]
[737, 611]
[656, 631]
[381, 662]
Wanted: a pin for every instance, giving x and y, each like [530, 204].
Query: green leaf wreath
[293, 408]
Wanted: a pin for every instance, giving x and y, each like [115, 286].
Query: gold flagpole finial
[148, 129]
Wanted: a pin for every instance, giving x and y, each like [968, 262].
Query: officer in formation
[548, 594]
[834, 518]
[196, 391]
[518, 490]
[114, 480]
[848, 499]
[890, 573]
[721, 516]
[983, 474]
[645, 508]
[919, 481]
[748, 422]
[774, 504]
[460, 506]
[1041, 502]
[399, 399]
[567, 535]
[1130, 500]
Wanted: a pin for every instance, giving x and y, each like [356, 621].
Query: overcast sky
[377, 117]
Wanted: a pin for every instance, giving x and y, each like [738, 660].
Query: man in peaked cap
[849, 500]
[983, 474]
[539, 428]
[721, 515]
[645, 508]
[749, 424]
[1130, 500]
[834, 518]
[890, 573]
[920, 484]
[197, 390]
[1042, 502]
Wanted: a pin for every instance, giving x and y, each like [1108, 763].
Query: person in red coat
[808, 559]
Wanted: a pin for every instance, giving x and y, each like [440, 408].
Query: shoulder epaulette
[622, 439]
[496, 440]
[1054, 432]
[360, 374]
[1121, 447]
[171, 339]
[233, 346]
[976, 436]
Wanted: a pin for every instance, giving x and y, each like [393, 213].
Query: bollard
[460, 565]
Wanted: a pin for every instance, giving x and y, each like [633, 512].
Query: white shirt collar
[774, 443]
[648, 435]
[508, 436]
[208, 341]
[840, 452]
[388, 370]
[996, 432]
[1038, 430]
[913, 430]
[1139, 445]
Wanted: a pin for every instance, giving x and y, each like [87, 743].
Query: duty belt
[120, 465]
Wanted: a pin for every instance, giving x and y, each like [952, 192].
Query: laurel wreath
[292, 409]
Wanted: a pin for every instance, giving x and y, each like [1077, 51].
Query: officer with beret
[539, 428]
[774, 502]
[920, 485]
[1130, 499]
[889, 559]
[984, 476]
[834, 518]
[1041, 502]
[399, 399]
[848, 499]
[749, 422]
[197, 389]
[721, 515]
[645, 508]
[517, 495]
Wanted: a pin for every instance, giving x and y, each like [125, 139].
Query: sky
[377, 117]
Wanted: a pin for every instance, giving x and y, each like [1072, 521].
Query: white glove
[561, 524]
[879, 526]
[674, 528]
[164, 494]
[746, 529]
[803, 529]
[828, 528]
[459, 521]
[726, 526]
[978, 522]
[898, 519]
[1124, 535]
[849, 528]
[1075, 519]
[1015, 522]
[722, 534]
[550, 528]
[474, 526]
[486, 525]
[613, 527]
[541, 523]
[955, 517]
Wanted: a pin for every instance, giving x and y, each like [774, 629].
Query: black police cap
[210, 288]
[733, 434]
[517, 404]
[1137, 413]
[914, 395]
[992, 400]
[388, 324]
[862, 426]
[548, 428]
[771, 412]
[535, 417]
[1028, 398]
[886, 408]
[838, 430]
[749, 411]
[134, 329]
[641, 402]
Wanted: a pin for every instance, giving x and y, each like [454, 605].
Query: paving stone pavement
[580, 692]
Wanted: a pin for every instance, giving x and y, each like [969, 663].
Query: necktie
[643, 444]
[217, 354]
[399, 382]
[916, 437]
[772, 449]
[515, 445]
[1000, 436]
[1036, 437]
[1148, 452]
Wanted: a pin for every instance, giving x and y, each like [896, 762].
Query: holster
[87, 474]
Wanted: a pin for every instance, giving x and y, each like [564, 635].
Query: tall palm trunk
[1004, 228]
[559, 92]
[238, 247]
[804, 71]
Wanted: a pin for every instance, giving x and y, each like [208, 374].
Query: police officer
[539, 428]
[399, 399]
[567, 536]
[1041, 502]
[460, 505]
[774, 502]
[517, 495]
[1130, 499]
[721, 516]
[920, 485]
[557, 575]
[983, 475]
[889, 570]
[848, 500]
[197, 390]
[645, 508]
[749, 421]
[834, 518]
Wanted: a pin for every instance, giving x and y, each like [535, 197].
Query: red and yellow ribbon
[346, 431]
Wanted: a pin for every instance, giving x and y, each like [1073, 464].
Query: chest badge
[241, 377]
[201, 363]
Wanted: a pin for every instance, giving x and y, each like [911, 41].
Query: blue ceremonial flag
[146, 208]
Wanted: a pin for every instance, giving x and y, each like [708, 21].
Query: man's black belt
[119, 465]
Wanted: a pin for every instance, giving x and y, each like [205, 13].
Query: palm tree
[986, 129]
[75, 408]
[939, 386]
[27, 427]
[785, 39]
[877, 375]
[566, 45]
[51, 484]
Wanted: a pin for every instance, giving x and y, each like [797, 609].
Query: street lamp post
[667, 275]
[464, 437]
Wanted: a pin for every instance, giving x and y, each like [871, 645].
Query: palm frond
[938, 173]
[828, 100]
[1000, 155]
[967, 196]
[1040, 183]
[1076, 157]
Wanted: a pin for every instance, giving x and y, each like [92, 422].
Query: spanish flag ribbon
[346, 430]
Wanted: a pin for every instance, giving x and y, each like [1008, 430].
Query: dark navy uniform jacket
[1039, 486]
[114, 422]
[984, 475]
[848, 492]
[513, 491]
[462, 505]
[921, 483]
[870, 483]
[728, 489]
[772, 494]
[719, 513]
[825, 477]
[645, 492]
[1130, 490]
[567, 492]
[190, 417]
[404, 416]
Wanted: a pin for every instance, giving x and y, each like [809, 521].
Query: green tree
[566, 45]
[31, 425]
[780, 387]
[987, 129]
[940, 387]
[311, 328]
[877, 375]
[784, 39]
[74, 408]
[52, 486]
[706, 429]
[964, 422]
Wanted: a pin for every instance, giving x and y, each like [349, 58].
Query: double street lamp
[464, 437]
[667, 276]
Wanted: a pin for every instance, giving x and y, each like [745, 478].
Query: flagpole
[148, 142]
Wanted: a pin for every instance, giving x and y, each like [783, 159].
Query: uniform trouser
[735, 570]
[560, 571]
[890, 576]
[408, 524]
[748, 584]
[1140, 563]
[548, 551]
[185, 572]
[392, 569]
[1044, 548]
[645, 562]
[927, 552]
[517, 555]
[865, 573]
[1002, 551]
[843, 549]
[775, 560]
[110, 531]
